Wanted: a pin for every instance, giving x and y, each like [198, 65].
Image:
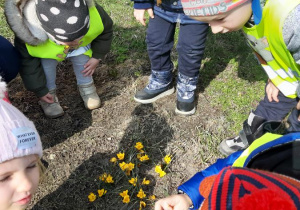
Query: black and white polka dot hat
[64, 20]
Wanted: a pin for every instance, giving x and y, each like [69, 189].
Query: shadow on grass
[146, 126]
[221, 50]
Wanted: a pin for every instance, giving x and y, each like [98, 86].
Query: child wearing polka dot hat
[48, 32]
[51, 14]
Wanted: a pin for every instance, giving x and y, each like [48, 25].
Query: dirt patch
[78, 146]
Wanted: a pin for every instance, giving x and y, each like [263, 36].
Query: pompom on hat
[19, 136]
[63, 20]
[209, 7]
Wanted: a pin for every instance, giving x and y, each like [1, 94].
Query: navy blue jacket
[170, 10]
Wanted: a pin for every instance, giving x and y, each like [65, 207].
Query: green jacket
[32, 72]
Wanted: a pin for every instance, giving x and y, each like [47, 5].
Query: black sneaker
[145, 96]
[185, 108]
[229, 146]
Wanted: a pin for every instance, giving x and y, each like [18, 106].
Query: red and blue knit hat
[249, 189]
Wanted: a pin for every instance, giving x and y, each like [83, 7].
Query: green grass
[129, 36]
[4, 29]
[231, 77]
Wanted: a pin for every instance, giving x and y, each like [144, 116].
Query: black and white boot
[240, 142]
[253, 128]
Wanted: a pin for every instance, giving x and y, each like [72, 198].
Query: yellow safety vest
[51, 50]
[268, 137]
[266, 39]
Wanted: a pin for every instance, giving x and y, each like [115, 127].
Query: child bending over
[274, 35]
[48, 32]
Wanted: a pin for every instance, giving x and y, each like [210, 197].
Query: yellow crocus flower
[162, 173]
[101, 192]
[158, 168]
[103, 177]
[126, 199]
[124, 193]
[130, 166]
[145, 181]
[141, 194]
[167, 159]
[113, 159]
[121, 156]
[123, 166]
[139, 145]
[133, 181]
[109, 179]
[152, 197]
[142, 205]
[144, 158]
[92, 197]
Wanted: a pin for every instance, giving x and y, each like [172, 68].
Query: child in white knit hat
[20, 153]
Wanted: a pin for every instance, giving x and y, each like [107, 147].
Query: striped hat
[209, 7]
[248, 189]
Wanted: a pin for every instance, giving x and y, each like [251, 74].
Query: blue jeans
[9, 60]
[49, 66]
[190, 48]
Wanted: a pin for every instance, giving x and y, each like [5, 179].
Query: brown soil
[79, 145]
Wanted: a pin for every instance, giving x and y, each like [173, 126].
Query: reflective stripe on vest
[268, 137]
[51, 50]
[267, 41]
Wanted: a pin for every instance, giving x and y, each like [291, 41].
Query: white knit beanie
[18, 135]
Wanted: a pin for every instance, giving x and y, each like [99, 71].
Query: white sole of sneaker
[148, 101]
[177, 111]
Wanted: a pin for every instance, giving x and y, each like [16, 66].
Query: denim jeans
[49, 66]
[190, 48]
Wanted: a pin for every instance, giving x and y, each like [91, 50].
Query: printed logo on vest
[26, 137]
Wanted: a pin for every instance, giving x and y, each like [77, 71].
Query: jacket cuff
[41, 92]
[191, 188]
[98, 55]
[145, 5]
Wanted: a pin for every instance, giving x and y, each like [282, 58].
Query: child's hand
[298, 107]
[139, 15]
[174, 202]
[272, 92]
[90, 66]
[48, 98]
